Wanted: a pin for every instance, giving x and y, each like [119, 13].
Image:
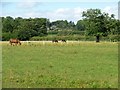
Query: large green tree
[25, 30]
[32, 27]
[97, 23]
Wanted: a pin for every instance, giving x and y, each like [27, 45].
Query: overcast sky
[55, 9]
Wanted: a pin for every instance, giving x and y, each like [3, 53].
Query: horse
[63, 40]
[56, 41]
[15, 41]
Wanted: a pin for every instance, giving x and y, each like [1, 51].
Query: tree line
[94, 23]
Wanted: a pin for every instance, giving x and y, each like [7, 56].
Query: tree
[40, 26]
[80, 25]
[32, 27]
[25, 29]
[17, 22]
[8, 24]
[71, 25]
[60, 24]
[96, 23]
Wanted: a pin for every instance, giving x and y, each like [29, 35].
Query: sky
[55, 9]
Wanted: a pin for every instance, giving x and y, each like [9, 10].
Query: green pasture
[60, 65]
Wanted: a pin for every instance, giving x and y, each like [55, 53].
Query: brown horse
[55, 41]
[15, 41]
[63, 40]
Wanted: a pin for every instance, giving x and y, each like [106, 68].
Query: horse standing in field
[55, 41]
[14, 41]
[63, 40]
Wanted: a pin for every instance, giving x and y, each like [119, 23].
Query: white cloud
[70, 14]
[27, 4]
[73, 14]
[111, 10]
[107, 9]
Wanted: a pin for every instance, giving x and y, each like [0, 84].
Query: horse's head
[19, 42]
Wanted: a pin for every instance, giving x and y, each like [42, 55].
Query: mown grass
[62, 65]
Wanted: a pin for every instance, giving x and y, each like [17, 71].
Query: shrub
[76, 38]
[7, 36]
[114, 38]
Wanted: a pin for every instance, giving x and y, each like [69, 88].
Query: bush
[114, 38]
[65, 32]
[76, 38]
[52, 32]
[7, 36]
[52, 37]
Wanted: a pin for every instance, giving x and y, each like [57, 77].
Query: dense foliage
[94, 23]
[23, 29]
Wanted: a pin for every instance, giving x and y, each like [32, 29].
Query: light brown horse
[14, 41]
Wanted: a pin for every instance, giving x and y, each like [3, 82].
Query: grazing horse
[63, 40]
[15, 41]
[56, 41]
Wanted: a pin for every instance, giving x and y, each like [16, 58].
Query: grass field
[62, 65]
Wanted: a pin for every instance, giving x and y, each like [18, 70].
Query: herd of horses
[56, 41]
[17, 41]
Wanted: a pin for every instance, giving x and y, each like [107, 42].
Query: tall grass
[71, 65]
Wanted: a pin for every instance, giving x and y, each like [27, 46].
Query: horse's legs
[16, 44]
[10, 43]
[19, 43]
